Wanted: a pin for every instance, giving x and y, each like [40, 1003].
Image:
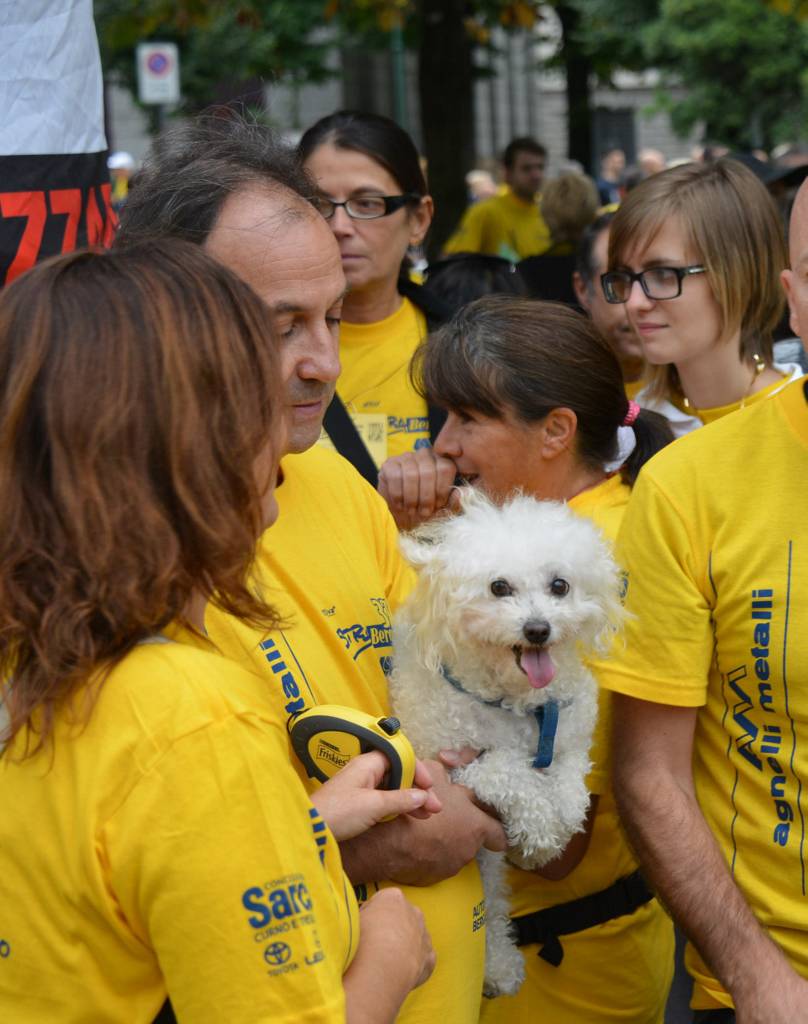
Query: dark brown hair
[194, 167]
[377, 137]
[137, 390]
[502, 353]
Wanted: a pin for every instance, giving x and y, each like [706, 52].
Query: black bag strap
[624, 896]
[337, 421]
[166, 1014]
[346, 439]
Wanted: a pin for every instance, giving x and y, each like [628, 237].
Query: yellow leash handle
[328, 736]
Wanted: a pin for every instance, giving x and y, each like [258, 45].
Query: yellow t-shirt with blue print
[332, 567]
[374, 384]
[619, 971]
[167, 849]
[503, 225]
[715, 542]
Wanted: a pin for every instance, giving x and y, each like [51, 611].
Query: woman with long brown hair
[155, 842]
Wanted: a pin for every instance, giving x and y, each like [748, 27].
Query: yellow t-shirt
[331, 565]
[375, 386]
[715, 541]
[167, 848]
[719, 412]
[503, 225]
[620, 970]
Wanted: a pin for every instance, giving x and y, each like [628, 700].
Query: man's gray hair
[192, 169]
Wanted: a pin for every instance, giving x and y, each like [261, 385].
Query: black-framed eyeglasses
[366, 207]
[656, 282]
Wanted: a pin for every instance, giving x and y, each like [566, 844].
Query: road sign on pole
[158, 73]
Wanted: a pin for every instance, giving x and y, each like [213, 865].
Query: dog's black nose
[536, 632]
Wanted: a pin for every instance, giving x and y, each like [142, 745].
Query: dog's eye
[559, 587]
[501, 588]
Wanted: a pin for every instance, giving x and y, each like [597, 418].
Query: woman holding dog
[155, 843]
[536, 403]
[695, 254]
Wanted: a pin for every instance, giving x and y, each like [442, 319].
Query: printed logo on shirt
[294, 702]
[761, 739]
[407, 425]
[280, 912]
[360, 637]
[320, 833]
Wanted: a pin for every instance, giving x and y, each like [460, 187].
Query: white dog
[488, 655]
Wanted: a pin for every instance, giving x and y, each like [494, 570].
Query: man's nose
[321, 360]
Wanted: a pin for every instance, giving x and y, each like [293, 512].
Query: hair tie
[631, 415]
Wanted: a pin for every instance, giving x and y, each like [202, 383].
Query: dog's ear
[422, 546]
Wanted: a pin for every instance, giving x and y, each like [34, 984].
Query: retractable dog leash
[328, 736]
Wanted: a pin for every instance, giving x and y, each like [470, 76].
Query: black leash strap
[545, 926]
[166, 1015]
[346, 438]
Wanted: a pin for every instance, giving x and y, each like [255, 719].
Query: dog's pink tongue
[538, 667]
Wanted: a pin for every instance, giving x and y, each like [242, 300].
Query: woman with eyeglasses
[696, 253]
[372, 192]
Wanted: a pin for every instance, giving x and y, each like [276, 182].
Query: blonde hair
[569, 204]
[732, 226]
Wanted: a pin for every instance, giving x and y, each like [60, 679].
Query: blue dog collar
[546, 719]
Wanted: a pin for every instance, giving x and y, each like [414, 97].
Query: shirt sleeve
[469, 234]
[667, 645]
[213, 859]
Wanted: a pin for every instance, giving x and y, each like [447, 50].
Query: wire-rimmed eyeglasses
[656, 282]
[366, 207]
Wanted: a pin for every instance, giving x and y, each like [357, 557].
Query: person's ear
[420, 219]
[558, 432]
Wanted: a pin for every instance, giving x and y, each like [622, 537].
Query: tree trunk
[445, 87]
[579, 96]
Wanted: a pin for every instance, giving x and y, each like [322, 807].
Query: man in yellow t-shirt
[331, 563]
[711, 705]
[510, 224]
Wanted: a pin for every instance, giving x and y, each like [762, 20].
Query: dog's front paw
[504, 972]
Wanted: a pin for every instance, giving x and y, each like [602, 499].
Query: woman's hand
[416, 485]
[395, 955]
[350, 802]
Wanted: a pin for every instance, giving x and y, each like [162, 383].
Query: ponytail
[652, 432]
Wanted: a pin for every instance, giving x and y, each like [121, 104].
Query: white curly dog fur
[507, 600]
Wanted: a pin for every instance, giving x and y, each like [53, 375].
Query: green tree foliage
[743, 66]
[220, 41]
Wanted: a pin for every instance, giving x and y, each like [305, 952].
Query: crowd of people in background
[210, 438]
